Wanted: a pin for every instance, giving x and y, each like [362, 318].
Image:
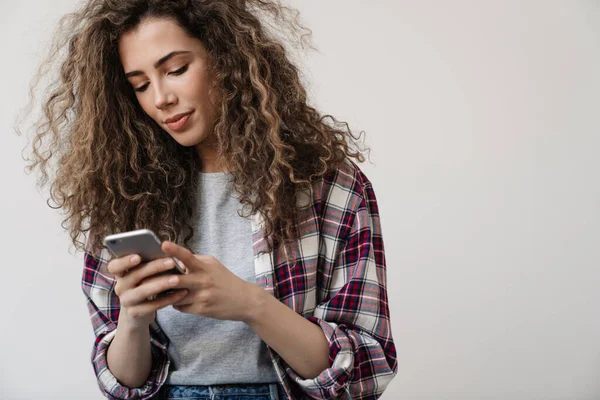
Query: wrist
[129, 324]
[258, 298]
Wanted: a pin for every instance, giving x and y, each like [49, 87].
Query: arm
[353, 313]
[104, 311]
[298, 341]
[129, 356]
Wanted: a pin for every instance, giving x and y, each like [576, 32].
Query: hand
[137, 283]
[214, 291]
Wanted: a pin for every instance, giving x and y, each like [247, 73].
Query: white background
[484, 124]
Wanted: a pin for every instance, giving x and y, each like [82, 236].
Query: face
[168, 71]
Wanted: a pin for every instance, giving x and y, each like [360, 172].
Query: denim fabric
[260, 391]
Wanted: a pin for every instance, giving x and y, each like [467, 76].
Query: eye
[141, 88]
[179, 71]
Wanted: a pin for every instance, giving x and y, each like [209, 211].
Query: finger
[162, 301]
[183, 302]
[183, 307]
[181, 253]
[148, 289]
[160, 265]
[119, 266]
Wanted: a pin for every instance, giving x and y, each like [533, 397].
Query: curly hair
[117, 170]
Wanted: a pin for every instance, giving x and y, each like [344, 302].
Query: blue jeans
[248, 391]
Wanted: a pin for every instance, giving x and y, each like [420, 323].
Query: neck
[208, 160]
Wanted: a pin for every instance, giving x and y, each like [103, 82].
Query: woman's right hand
[136, 284]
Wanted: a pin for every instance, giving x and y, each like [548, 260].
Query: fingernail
[173, 280]
[169, 263]
[134, 258]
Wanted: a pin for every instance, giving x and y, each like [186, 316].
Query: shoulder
[343, 186]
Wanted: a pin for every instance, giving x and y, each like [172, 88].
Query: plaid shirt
[338, 282]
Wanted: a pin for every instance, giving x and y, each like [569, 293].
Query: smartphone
[143, 242]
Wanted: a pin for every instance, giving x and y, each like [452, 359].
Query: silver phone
[143, 242]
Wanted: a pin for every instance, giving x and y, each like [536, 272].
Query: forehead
[153, 39]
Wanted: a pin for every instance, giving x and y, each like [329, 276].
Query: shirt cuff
[333, 381]
[109, 384]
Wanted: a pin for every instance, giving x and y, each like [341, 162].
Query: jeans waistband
[258, 391]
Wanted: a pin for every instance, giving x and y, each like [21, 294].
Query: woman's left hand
[214, 291]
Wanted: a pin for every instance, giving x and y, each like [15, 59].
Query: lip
[176, 117]
[178, 122]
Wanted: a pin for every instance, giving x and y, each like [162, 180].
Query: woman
[175, 116]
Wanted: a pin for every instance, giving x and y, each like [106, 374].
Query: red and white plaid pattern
[337, 281]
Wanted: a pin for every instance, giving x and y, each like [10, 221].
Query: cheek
[197, 88]
[191, 92]
[147, 106]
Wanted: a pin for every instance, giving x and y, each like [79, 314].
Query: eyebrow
[158, 63]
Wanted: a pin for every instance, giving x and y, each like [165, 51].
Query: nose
[164, 97]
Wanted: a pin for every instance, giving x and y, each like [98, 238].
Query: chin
[187, 139]
[185, 142]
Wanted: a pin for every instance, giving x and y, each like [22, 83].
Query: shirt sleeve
[355, 317]
[103, 307]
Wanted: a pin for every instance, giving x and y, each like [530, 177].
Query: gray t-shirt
[206, 351]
